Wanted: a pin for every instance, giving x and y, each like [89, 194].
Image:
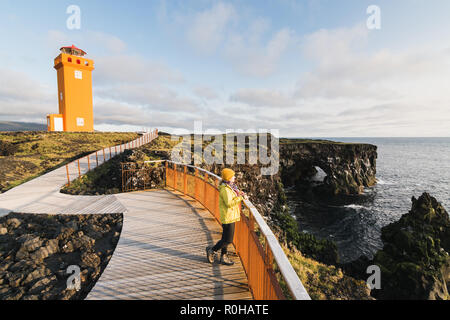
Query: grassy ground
[106, 178]
[26, 155]
[325, 282]
[320, 141]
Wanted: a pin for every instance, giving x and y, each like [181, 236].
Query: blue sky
[306, 68]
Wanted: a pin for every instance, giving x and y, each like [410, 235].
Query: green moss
[414, 256]
[322, 250]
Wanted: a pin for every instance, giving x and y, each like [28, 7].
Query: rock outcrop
[36, 251]
[414, 261]
[349, 167]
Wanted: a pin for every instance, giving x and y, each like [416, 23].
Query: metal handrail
[295, 286]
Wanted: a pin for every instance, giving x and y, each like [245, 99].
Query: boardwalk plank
[161, 253]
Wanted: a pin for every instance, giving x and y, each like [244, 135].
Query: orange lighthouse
[76, 111]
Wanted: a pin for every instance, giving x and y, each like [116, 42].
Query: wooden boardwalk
[161, 250]
[161, 253]
[41, 195]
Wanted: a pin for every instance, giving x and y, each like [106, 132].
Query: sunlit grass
[40, 152]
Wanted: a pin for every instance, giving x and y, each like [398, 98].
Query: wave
[354, 206]
[381, 181]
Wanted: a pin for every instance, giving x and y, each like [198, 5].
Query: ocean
[406, 167]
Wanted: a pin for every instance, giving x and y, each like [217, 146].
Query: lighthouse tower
[76, 111]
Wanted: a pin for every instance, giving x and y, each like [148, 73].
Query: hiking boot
[224, 259]
[210, 254]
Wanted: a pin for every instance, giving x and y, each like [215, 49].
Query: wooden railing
[111, 151]
[255, 243]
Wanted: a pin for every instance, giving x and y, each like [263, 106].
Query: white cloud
[248, 43]
[103, 42]
[207, 28]
[206, 93]
[113, 112]
[263, 98]
[128, 68]
[154, 97]
[251, 56]
[350, 90]
[22, 97]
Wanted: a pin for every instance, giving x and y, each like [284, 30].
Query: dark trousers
[227, 238]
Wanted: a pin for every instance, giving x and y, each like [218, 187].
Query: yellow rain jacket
[228, 204]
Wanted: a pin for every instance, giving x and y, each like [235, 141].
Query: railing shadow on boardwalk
[257, 252]
[161, 253]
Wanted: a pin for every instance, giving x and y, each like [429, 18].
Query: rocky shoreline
[414, 261]
[37, 249]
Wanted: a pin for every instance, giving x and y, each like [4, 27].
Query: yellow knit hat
[227, 174]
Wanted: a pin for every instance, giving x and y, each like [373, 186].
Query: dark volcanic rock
[263, 191]
[349, 167]
[414, 261]
[36, 253]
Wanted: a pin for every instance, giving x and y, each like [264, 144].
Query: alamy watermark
[74, 20]
[241, 147]
[74, 280]
[374, 20]
[374, 280]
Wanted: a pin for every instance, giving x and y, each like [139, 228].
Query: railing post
[89, 163]
[123, 182]
[204, 189]
[195, 185]
[79, 171]
[143, 169]
[104, 157]
[68, 177]
[185, 180]
[216, 202]
[268, 261]
[251, 221]
[167, 167]
[175, 176]
[115, 150]
[110, 153]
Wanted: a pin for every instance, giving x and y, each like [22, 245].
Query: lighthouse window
[78, 61]
[78, 75]
[86, 63]
[80, 122]
[69, 59]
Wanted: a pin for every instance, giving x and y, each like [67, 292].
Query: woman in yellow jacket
[229, 199]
